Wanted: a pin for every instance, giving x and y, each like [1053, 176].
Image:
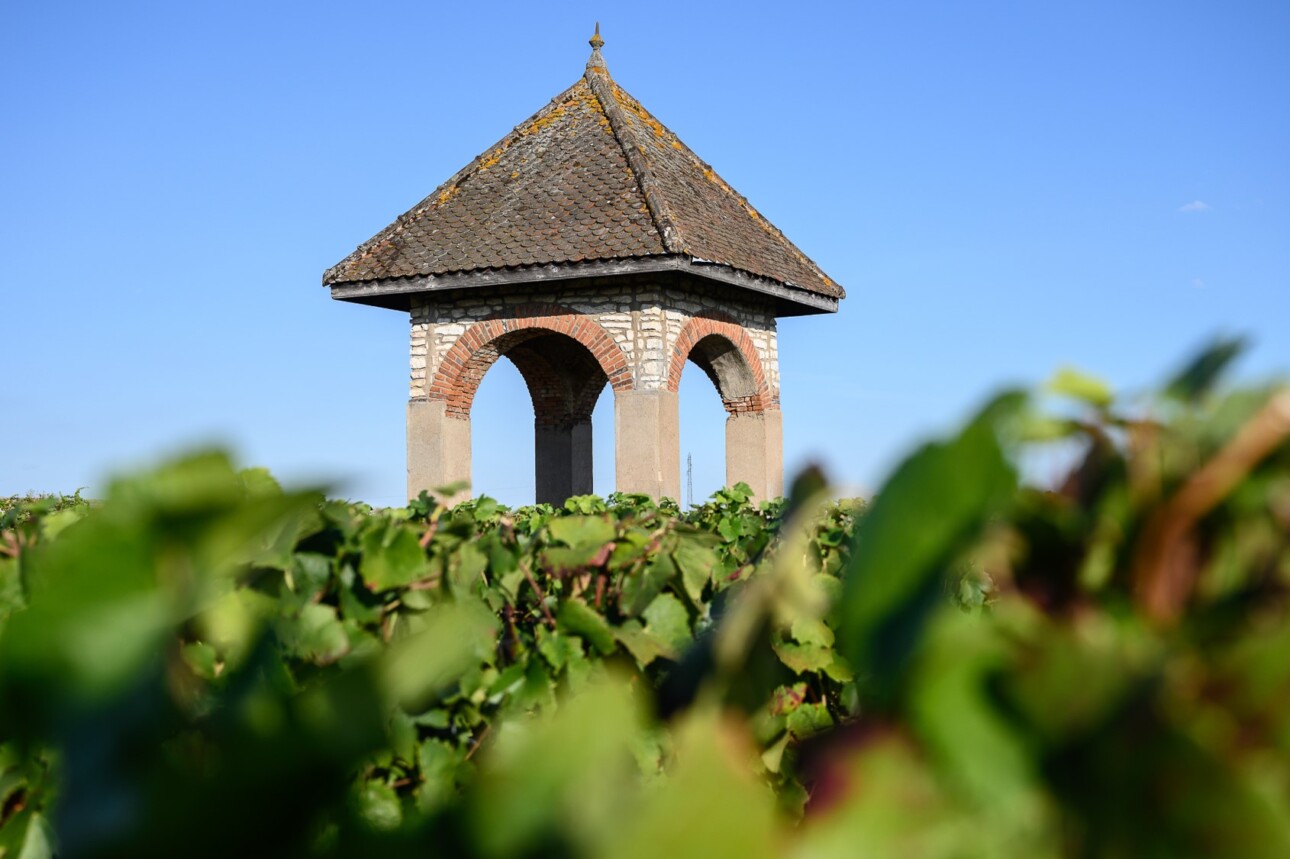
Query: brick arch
[700, 339]
[480, 345]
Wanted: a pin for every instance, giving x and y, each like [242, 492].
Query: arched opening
[563, 381]
[565, 362]
[603, 445]
[701, 421]
[501, 440]
[503, 443]
[753, 448]
[728, 369]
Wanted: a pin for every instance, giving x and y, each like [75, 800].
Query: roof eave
[396, 293]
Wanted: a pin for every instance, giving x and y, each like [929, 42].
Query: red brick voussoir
[722, 325]
[479, 346]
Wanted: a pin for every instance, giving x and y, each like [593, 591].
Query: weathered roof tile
[590, 177]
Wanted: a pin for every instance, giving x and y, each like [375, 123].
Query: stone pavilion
[590, 246]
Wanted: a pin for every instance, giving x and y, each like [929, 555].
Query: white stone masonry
[645, 322]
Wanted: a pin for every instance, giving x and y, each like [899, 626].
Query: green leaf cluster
[966, 665]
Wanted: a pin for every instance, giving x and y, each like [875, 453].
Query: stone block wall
[653, 327]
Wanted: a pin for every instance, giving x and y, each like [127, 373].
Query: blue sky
[1002, 187]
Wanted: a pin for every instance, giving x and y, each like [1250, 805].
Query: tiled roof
[590, 177]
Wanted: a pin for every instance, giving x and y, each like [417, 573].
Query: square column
[647, 443]
[438, 448]
[755, 452]
[562, 461]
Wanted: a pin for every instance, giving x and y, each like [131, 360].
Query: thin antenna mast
[689, 481]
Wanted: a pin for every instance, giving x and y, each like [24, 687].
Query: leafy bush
[966, 667]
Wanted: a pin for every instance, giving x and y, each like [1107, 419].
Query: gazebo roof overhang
[396, 293]
[589, 187]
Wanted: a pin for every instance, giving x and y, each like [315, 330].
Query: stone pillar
[755, 452]
[647, 443]
[562, 461]
[438, 448]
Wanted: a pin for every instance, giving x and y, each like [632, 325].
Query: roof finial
[596, 61]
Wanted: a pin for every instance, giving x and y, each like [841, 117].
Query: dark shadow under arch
[727, 355]
[566, 360]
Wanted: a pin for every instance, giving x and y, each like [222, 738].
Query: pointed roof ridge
[601, 84]
[450, 187]
[591, 177]
[712, 176]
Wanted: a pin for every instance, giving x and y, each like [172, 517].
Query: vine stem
[1164, 565]
[541, 594]
[478, 740]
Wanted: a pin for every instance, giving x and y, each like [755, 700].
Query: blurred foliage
[203, 663]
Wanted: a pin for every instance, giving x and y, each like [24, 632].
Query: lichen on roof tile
[546, 192]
